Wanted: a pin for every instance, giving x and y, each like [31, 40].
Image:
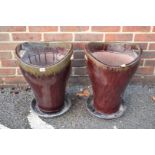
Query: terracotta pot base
[39, 112]
[93, 111]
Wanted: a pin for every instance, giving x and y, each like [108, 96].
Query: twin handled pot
[110, 67]
[46, 67]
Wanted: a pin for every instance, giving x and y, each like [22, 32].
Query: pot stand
[91, 109]
[36, 110]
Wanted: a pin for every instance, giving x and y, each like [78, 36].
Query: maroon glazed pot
[46, 67]
[110, 68]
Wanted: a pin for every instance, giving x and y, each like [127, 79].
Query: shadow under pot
[46, 67]
[110, 68]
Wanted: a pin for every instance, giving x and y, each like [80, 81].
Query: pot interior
[113, 54]
[42, 54]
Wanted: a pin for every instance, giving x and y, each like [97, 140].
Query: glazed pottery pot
[110, 68]
[46, 67]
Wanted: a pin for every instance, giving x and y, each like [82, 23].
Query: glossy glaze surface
[49, 91]
[46, 67]
[108, 82]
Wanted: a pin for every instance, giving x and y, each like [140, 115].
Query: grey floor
[15, 111]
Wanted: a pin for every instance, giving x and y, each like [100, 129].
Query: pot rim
[48, 69]
[135, 46]
[69, 51]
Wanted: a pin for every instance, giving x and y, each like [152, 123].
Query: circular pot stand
[92, 110]
[36, 110]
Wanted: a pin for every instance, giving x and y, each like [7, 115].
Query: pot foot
[36, 110]
[117, 114]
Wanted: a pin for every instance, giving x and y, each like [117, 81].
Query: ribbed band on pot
[48, 69]
[113, 46]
